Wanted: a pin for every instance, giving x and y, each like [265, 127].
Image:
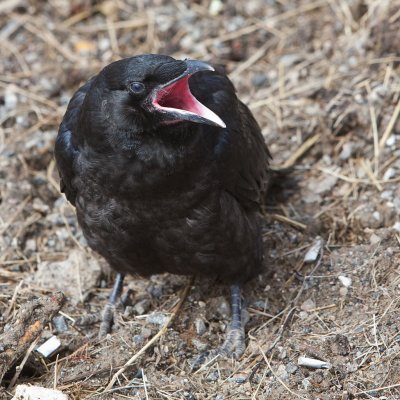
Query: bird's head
[153, 90]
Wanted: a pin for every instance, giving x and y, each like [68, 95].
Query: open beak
[175, 102]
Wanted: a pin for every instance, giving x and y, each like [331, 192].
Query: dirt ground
[323, 80]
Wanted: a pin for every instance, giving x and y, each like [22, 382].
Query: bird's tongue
[178, 97]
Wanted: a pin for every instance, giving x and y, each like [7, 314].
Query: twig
[310, 142]
[9, 5]
[52, 41]
[15, 215]
[26, 327]
[390, 126]
[375, 136]
[291, 309]
[31, 95]
[131, 24]
[289, 221]
[279, 379]
[51, 180]
[323, 307]
[144, 384]
[254, 58]
[367, 168]
[153, 339]
[19, 368]
[283, 326]
[378, 389]
[12, 302]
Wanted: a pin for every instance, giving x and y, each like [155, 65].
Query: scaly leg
[234, 344]
[109, 309]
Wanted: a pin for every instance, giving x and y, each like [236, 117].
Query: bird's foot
[235, 341]
[109, 309]
[233, 347]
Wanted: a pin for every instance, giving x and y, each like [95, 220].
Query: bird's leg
[234, 344]
[109, 309]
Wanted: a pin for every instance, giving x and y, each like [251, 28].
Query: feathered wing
[252, 164]
[243, 156]
[65, 152]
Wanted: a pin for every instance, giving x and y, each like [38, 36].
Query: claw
[109, 309]
[234, 344]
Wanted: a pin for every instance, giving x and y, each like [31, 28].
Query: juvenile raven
[167, 170]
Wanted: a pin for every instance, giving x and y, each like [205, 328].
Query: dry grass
[323, 80]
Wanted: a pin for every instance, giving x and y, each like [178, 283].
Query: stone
[25, 392]
[200, 326]
[76, 276]
[308, 305]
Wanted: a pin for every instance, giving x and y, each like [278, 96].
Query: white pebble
[216, 6]
[25, 392]
[10, 98]
[345, 281]
[389, 173]
[313, 251]
[391, 140]
[376, 215]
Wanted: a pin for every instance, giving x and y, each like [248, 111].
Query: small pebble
[30, 245]
[289, 59]
[345, 281]
[60, 323]
[261, 305]
[391, 141]
[282, 352]
[129, 312]
[199, 345]
[306, 383]
[201, 328]
[374, 239]
[219, 308]
[376, 215]
[141, 307]
[138, 339]
[387, 195]
[216, 6]
[145, 332]
[308, 305]
[259, 79]
[212, 376]
[282, 373]
[40, 207]
[10, 98]
[155, 291]
[291, 368]
[313, 251]
[239, 379]
[389, 174]
[347, 151]
[157, 319]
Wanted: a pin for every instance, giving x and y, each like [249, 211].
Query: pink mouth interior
[177, 97]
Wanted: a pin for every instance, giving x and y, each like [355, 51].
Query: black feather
[152, 197]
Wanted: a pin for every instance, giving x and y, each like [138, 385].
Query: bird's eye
[136, 87]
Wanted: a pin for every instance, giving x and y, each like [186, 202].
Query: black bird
[167, 170]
